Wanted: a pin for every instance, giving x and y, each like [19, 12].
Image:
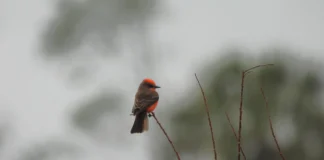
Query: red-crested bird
[146, 100]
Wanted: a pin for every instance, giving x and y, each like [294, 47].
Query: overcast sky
[35, 96]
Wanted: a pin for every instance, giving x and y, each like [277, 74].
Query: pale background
[36, 99]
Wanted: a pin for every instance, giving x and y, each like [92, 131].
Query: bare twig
[264, 65]
[244, 73]
[209, 121]
[240, 119]
[270, 124]
[233, 130]
[157, 121]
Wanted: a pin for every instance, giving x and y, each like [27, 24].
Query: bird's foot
[150, 114]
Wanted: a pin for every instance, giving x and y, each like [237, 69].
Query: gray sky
[32, 91]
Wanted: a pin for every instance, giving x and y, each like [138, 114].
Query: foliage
[97, 22]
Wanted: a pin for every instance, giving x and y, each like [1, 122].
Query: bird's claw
[149, 115]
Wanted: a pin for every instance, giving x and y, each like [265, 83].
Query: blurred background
[70, 70]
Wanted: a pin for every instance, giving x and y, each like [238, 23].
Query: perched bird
[146, 100]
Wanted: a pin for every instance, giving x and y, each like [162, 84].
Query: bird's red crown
[150, 81]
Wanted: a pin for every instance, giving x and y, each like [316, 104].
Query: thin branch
[240, 119]
[264, 65]
[158, 122]
[270, 124]
[244, 73]
[233, 130]
[209, 121]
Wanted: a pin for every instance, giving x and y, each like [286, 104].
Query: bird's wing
[144, 100]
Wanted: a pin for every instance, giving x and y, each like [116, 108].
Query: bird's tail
[140, 124]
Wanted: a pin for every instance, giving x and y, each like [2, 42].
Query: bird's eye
[151, 86]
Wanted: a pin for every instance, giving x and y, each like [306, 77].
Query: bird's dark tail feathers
[140, 124]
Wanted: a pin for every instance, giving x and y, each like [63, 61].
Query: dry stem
[233, 130]
[270, 124]
[240, 119]
[157, 121]
[244, 73]
[209, 121]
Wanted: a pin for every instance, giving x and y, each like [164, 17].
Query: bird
[146, 100]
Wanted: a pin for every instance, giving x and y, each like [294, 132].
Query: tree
[101, 21]
[293, 89]
[84, 32]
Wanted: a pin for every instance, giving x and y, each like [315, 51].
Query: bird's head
[149, 84]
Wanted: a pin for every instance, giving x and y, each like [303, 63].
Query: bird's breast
[152, 107]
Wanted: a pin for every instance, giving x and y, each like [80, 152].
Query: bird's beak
[157, 87]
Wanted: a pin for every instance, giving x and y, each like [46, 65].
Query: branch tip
[209, 121]
[270, 124]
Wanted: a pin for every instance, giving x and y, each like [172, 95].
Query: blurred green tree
[293, 89]
[98, 22]
[82, 33]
